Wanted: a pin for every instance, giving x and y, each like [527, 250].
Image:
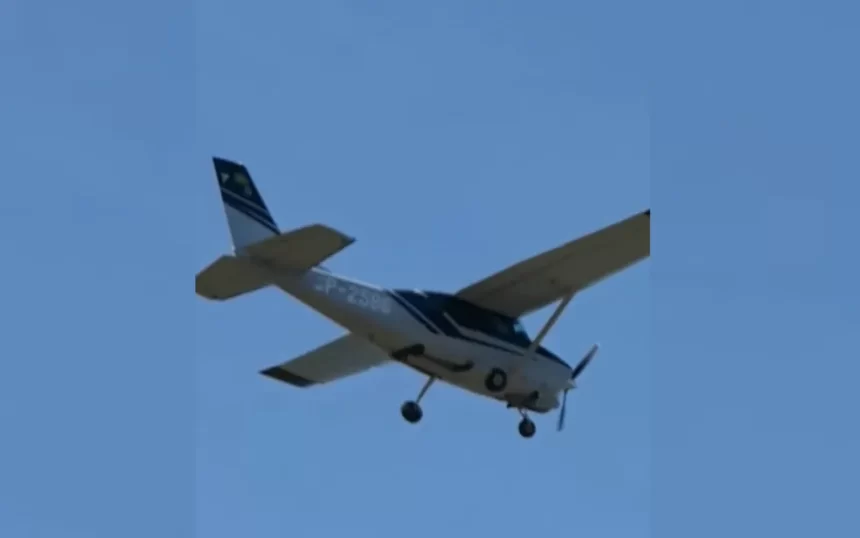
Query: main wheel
[496, 380]
[411, 412]
[527, 428]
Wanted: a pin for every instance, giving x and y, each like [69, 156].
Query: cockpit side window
[486, 322]
[520, 329]
[438, 307]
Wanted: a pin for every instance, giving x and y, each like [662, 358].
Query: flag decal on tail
[241, 180]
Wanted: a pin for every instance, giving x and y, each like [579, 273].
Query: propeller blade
[563, 411]
[583, 364]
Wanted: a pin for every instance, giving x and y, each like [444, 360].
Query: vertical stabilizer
[248, 217]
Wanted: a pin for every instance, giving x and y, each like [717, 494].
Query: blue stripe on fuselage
[412, 312]
[421, 308]
[439, 320]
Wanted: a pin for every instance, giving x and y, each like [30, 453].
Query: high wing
[340, 358]
[544, 279]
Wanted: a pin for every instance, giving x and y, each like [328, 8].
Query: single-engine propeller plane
[472, 339]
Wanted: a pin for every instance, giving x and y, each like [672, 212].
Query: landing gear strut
[527, 427]
[411, 410]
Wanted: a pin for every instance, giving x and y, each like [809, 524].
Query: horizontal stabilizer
[300, 249]
[340, 358]
[229, 277]
[294, 251]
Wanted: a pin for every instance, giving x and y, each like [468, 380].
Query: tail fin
[247, 215]
[260, 248]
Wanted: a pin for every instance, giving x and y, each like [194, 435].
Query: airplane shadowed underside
[472, 339]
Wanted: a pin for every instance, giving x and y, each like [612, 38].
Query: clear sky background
[452, 140]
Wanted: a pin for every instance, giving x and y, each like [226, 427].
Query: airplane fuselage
[431, 341]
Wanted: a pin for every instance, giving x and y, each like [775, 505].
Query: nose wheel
[527, 428]
[411, 410]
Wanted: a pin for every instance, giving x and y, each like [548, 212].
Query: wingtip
[345, 240]
[285, 376]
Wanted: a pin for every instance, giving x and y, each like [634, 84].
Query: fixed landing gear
[527, 427]
[411, 410]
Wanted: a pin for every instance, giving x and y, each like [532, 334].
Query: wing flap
[344, 357]
[543, 279]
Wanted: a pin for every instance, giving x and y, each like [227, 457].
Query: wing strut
[559, 310]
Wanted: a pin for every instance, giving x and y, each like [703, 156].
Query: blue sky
[451, 141]
[754, 180]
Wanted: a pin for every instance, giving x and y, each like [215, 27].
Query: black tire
[527, 428]
[496, 380]
[411, 412]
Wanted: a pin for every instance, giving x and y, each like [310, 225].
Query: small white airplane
[472, 339]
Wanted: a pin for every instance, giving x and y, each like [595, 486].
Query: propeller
[583, 364]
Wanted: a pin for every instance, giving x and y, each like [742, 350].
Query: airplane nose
[547, 398]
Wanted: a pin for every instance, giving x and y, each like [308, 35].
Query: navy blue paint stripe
[487, 344]
[434, 316]
[448, 329]
[230, 202]
[414, 303]
[247, 208]
[414, 312]
[406, 306]
[451, 331]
